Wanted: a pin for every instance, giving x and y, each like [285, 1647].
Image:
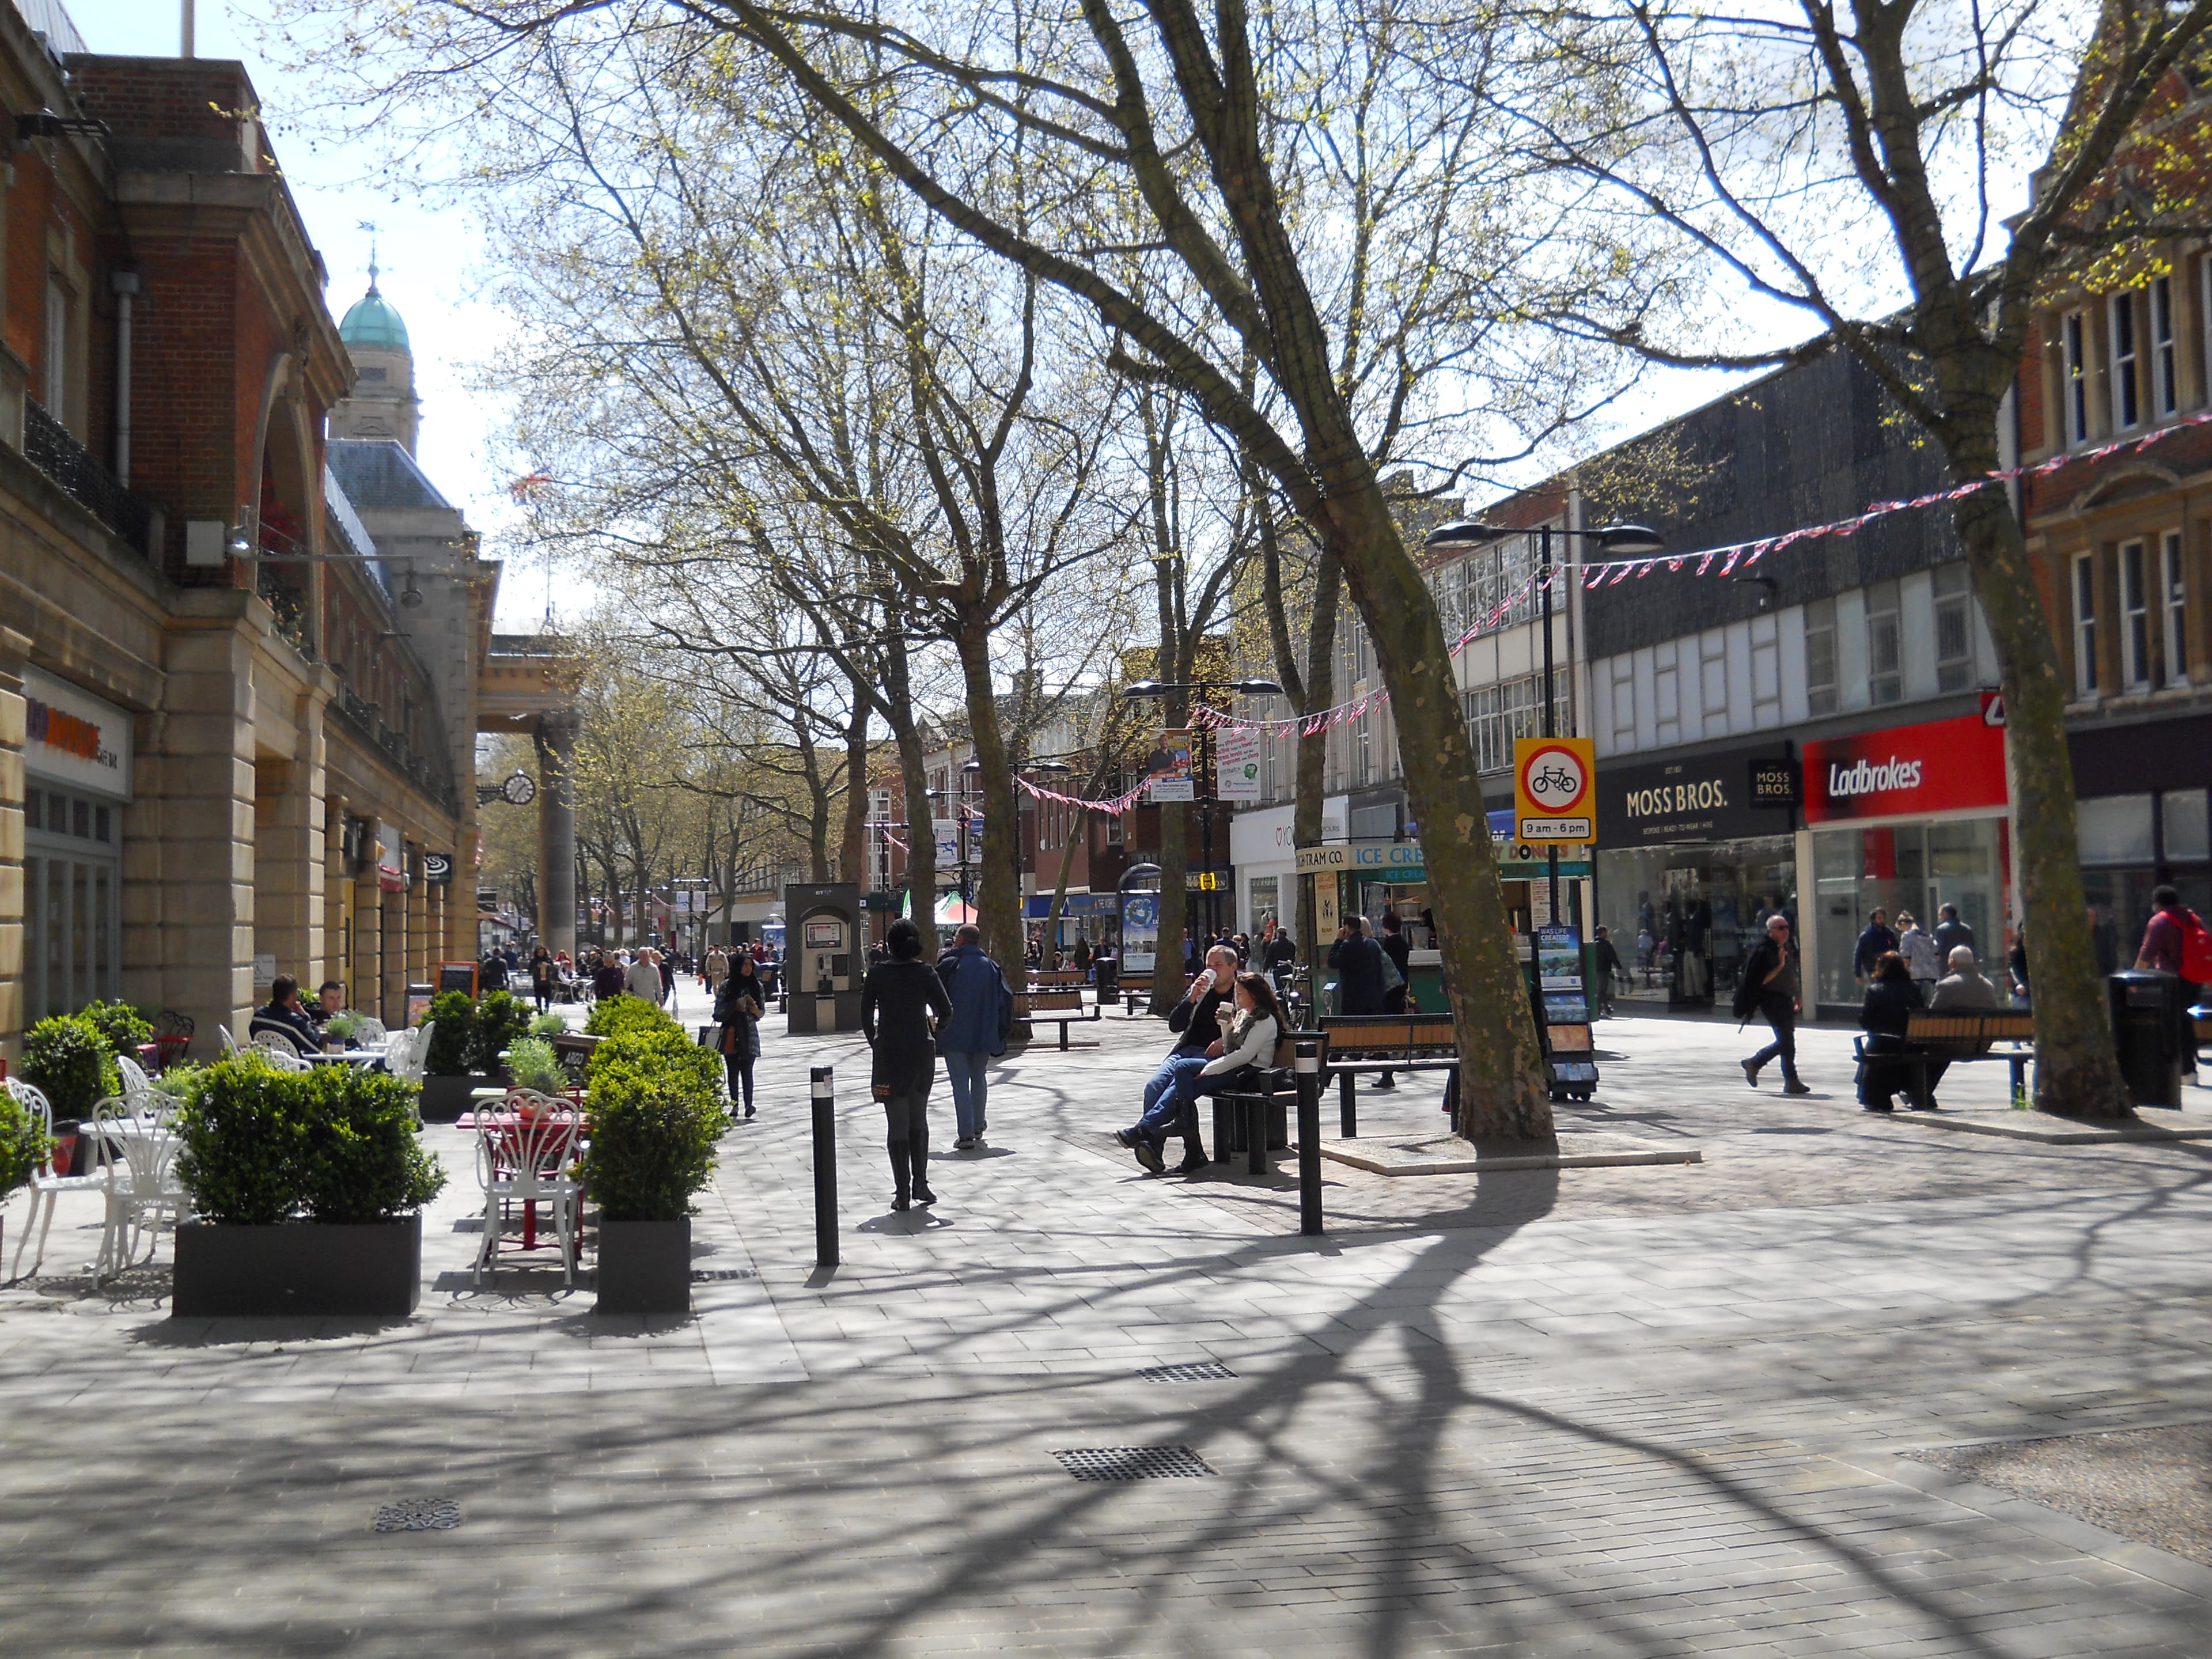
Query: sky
[431, 266]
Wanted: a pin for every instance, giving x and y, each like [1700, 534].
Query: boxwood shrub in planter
[21, 1146]
[656, 1110]
[307, 1190]
[466, 1047]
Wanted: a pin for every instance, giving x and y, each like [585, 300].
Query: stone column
[557, 831]
[14, 648]
[290, 848]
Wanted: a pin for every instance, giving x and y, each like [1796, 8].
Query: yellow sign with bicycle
[1555, 790]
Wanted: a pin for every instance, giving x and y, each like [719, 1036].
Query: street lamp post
[1245, 688]
[1629, 540]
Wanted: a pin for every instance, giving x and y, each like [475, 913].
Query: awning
[952, 913]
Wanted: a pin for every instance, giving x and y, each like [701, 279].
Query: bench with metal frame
[1384, 1042]
[1133, 988]
[1256, 1121]
[1057, 979]
[1061, 1005]
[1957, 1036]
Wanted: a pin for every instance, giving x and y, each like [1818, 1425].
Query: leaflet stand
[1562, 1008]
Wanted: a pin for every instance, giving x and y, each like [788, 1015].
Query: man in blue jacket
[982, 1017]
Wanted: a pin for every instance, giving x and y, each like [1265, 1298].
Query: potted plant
[125, 1029]
[21, 1146]
[71, 1061]
[533, 1064]
[447, 1078]
[307, 1190]
[502, 1021]
[344, 1028]
[656, 1108]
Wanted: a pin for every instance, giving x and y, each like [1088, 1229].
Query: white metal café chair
[138, 1087]
[373, 1029]
[229, 1042]
[143, 1189]
[405, 1056]
[524, 1159]
[45, 1183]
[280, 1051]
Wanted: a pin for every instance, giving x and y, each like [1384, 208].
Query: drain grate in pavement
[1133, 1463]
[420, 1515]
[1205, 1371]
[717, 1275]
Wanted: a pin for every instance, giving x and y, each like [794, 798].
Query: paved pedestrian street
[1715, 1407]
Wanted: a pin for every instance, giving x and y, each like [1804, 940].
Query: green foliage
[183, 1080]
[338, 1145]
[616, 1013]
[345, 1026]
[548, 1025]
[501, 1021]
[656, 1107]
[532, 1065]
[21, 1144]
[72, 1062]
[122, 1026]
[453, 1043]
[240, 1152]
[360, 1158]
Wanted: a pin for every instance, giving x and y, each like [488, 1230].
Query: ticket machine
[822, 962]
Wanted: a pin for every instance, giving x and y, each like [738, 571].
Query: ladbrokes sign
[1910, 771]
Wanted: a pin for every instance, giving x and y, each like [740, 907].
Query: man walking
[1877, 942]
[1915, 944]
[643, 979]
[2165, 949]
[1766, 990]
[1951, 932]
[982, 1017]
[1398, 950]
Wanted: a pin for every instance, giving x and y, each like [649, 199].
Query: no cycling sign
[1553, 778]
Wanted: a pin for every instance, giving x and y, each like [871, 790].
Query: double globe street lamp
[1205, 760]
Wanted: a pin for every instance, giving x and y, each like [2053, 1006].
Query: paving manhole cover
[1207, 1371]
[1133, 1463]
[717, 1275]
[420, 1515]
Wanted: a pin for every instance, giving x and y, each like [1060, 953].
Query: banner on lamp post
[1236, 756]
[1168, 771]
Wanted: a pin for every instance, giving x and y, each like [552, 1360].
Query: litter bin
[1106, 972]
[2148, 1012]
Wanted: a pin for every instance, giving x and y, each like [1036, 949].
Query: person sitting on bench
[1962, 991]
[1194, 1022]
[1249, 1028]
[1891, 1000]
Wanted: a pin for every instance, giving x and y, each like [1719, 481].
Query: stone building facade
[238, 662]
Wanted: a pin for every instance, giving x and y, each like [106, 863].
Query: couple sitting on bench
[1219, 1042]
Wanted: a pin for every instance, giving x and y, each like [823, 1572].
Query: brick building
[239, 684]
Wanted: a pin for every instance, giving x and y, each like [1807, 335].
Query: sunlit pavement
[1639, 1411]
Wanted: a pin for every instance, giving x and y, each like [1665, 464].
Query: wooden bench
[1133, 988]
[1057, 979]
[1384, 1042]
[1061, 1005]
[1960, 1036]
[1257, 1121]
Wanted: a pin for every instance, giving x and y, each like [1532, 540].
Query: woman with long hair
[896, 1003]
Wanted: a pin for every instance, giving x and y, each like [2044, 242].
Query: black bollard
[1308, 1064]
[825, 1167]
[1347, 1113]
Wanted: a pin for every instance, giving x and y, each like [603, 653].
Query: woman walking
[896, 1002]
[739, 1006]
[542, 977]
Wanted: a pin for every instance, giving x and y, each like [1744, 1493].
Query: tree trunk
[2076, 1071]
[998, 896]
[1313, 756]
[852, 849]
[913, 782]
[1501, 1095]
[1174, 909]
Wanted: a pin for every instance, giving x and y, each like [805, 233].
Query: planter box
[298, 1267]
[645, 1267]
[444, 1098]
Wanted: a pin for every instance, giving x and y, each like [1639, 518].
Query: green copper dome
[374, 325]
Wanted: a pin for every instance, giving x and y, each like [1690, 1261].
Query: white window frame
[2074, 391]
[1885, 621]
[2136, 639]
[2166, 351]
[54, 378]
[2174, 601]
[1822, 697]
[2124, 354]
[2081, 599]
[1953, 672]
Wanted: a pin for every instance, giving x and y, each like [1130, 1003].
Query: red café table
[508, 1128]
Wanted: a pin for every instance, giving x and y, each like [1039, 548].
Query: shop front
[1263, 849]
[1693, 856]
[2142, 821]
[77, 765]
[1910, 818]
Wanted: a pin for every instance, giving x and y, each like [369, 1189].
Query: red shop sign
[1909, 771]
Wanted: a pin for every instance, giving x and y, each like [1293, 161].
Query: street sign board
[1168, 769]
[1236, 754]
[1553, 796]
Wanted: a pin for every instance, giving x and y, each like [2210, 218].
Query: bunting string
[1730, 559]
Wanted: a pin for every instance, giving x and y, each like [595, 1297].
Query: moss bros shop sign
[1908, 771]
[1706, 798]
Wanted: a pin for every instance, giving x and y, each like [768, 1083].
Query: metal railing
[49, 446]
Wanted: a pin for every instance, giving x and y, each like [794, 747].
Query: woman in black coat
[896, 1002]
[543, 977]
[1892, 998]
[738, 1005]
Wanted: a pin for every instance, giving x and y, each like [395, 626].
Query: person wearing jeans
[1764, 990]
[982, 1019]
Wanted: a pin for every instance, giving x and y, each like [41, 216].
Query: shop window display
[1685, 917]
[1915, 867]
